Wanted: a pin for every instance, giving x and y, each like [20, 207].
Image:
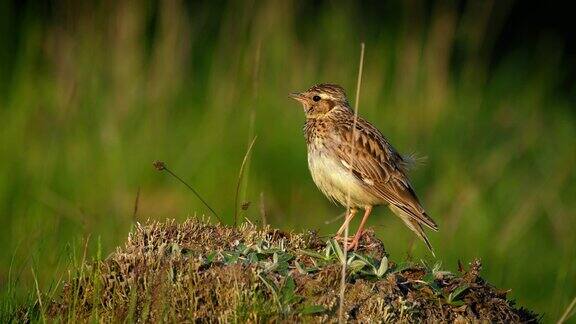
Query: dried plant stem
[38, 295]
[252, 122]
[136, 203]
[341, 318]
[240, 174]
[567, 312]
[161, 166]
[359, 83]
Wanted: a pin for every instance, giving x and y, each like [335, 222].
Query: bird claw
[342, 238]
[354, 245]
[350, 242]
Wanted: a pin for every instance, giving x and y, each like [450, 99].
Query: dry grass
[91, 92]
[197, 271]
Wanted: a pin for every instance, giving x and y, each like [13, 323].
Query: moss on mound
[199, 271]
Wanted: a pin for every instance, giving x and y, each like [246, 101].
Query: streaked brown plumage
[358, 173]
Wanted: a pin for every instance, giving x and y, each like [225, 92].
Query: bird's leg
[347, 220]
[360, 231]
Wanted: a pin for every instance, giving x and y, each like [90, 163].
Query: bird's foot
[354, 244]
[340, 238]
[350, 242]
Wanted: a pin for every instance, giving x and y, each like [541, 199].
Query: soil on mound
[196, 271]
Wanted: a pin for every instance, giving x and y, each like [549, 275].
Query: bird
[354, 165]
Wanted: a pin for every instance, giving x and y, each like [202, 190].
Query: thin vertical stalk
[341, 318]
[240, 174]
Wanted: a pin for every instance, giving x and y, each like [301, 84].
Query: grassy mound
[198, 271]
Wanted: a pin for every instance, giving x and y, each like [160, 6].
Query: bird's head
[319, 100]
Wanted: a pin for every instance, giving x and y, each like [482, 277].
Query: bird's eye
[316, 98]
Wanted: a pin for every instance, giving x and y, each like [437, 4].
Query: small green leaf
[327, 251]
[253, 257]
[285, 257]
[231, 257]
[401, 267]
[271, 250]
[437, 267]
[312, 309]
[282, 268]
[367, 261]
[428, 278]
[275, 258]
[383, 267]
[242, 248]
[270, 284]
[287, 291]
[356, 265]
[258, 247]
[313, 254]
[210, 257]
[299, 268]
[338, 251]
[457, 292]
[350, 259]
[436, 288]
[457, 303]
[270, 266]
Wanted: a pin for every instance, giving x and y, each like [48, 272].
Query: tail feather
[420, 216]
[414, 224]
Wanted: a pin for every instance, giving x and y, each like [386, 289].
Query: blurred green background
[92, 93]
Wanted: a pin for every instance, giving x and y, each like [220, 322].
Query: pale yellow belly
[338, 183]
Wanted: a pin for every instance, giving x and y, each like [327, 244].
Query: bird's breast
[334, 180]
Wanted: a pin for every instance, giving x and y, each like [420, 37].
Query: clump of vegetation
[199, 271]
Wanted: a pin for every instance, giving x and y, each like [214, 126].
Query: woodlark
[359, 172]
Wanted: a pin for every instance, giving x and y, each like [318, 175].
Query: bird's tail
[414, 225]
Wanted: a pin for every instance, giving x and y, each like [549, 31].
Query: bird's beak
[298, 96]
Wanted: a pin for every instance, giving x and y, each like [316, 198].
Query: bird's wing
[379, 167]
